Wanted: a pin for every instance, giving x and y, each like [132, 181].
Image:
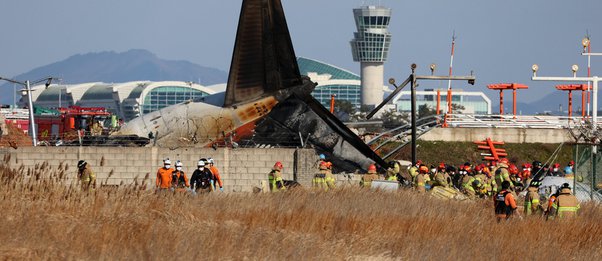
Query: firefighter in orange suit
[164, 176]
[504, 203]
[216, 174]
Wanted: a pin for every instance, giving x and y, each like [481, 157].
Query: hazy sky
[499, 40]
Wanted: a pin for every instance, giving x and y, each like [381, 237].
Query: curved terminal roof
[308, 66]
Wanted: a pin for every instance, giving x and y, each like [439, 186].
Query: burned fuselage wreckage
[266, 100]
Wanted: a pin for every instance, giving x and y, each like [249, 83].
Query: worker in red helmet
[324, 178]
[422, 179]
[275, 178]
[516, 180]
[366, 181]
[526, 171]
[502, 174]
[442, 178]
[569, 170]
[483, 183]
[469, 184]
[555, 170]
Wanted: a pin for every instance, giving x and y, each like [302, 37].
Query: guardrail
[511, 121]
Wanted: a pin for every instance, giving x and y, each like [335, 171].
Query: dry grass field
[43, 218]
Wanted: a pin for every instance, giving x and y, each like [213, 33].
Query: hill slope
[132, 65]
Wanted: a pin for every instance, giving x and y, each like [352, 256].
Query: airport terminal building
[126, 100]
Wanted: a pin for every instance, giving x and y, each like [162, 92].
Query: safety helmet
[81, 164]
[322, 156]
[418, 163]
[478, 168]
[166, 161]
[178, 163]
[441, 166]
[565, 185]
[556, 165]
[204, 160]
[278, 165]
[571, 163]
[201, 163]
[329, 164]
[423, 169]
[372, 167]
[537, 164]
[323, 165]
[210, 160]
[513, 169]
[504, 160]
[466, 168]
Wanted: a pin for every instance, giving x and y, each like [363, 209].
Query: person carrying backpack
[504, 203]
[179, 180]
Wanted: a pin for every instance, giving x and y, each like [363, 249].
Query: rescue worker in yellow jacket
[366, 181]
[324, 179]
[330, 179]
[532, 203]
[86, 176]
[468, 183]
[566, 204]
[414, 169]
[442, 178]
[275, 178]
[502, 174]
[422, 179]
[484, 188]
[393, 171]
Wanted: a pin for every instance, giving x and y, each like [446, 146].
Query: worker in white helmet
[202, 179]
[215, 171]
[164, 176]
[179, 181]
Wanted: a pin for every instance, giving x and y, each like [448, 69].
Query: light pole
[412, 80]
[575, 68]
[27, 85]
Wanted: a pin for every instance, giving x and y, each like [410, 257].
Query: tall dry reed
[45, 218]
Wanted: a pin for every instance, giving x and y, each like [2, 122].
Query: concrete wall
[509, 135]
[241, 169]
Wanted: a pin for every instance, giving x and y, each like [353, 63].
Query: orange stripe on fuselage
[248, 115]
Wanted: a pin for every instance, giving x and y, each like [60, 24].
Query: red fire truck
[65, 123]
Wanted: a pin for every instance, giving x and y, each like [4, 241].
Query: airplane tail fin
[264, 60]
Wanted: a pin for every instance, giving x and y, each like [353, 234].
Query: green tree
[392, 118]
[457, 108]
[425, 111]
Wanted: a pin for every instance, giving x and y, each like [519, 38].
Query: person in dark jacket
[202, 179]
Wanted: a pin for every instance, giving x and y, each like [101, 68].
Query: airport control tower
[370, 47]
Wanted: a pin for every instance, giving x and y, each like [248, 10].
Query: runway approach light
[585, 43]
[392, 81]
[535, 68]
[433, 67]
[575, 68]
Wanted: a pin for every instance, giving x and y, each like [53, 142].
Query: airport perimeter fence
[588, 170]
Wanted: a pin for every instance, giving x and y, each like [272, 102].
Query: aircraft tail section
[263, 61]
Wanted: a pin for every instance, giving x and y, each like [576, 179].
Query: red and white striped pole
[449, 90]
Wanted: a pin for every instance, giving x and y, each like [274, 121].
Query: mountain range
[141, 65]
[114, 67]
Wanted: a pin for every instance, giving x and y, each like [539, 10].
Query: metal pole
[570, 104]
[413, 94]
[514, 102]
[595, 103]
[501, 102]
[32, 123]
